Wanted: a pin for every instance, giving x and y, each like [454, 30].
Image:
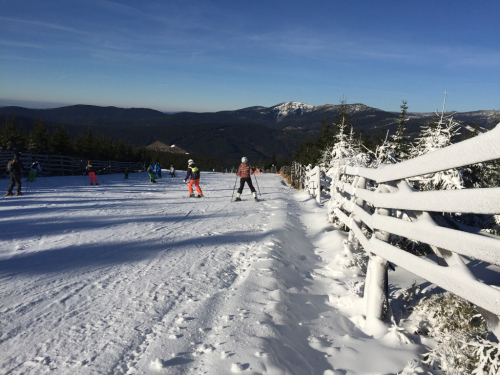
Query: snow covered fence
[395, 208]
[312, 179]
[59, 165]
[313, 182]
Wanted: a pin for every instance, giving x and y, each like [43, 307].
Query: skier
[158, 170]
[194, 174]
[35, 168]
[245, 171]
[15, 168]
[127, 171]
[172, 171]
[151, 172]
[91, 171]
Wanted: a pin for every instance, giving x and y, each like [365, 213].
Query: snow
[284, 109]
[130, 277]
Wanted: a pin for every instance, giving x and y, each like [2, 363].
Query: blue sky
[224, 55]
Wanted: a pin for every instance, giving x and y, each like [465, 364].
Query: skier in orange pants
[194, 174]
[91, 171]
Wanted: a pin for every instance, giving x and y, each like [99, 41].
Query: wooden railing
[312, 179]
[391, 206]
[58, 165]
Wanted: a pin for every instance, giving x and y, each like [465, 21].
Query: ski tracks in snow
[94, 284]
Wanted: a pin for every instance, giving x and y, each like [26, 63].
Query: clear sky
[224, 55]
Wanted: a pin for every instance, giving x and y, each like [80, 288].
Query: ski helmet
[89, 162]
[244, 159]
[17, 154]
[190, 161]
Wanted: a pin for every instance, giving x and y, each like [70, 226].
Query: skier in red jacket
[245, 171]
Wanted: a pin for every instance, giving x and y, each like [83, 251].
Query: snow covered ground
[130, 277]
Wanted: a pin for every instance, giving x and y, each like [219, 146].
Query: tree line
[56, 140]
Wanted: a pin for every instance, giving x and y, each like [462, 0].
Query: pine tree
[12, 137]
[438, 134]
[60, 142]
[400, 141]
[38, 141]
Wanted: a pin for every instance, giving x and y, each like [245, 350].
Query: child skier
[172, 171]
[35, 167]
[151, 172]
[245, 171]
[127, 171]
[194, 174]
[91, 171]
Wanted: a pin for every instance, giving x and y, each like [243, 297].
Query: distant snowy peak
[296, 108]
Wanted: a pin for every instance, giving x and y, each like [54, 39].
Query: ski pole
[234, 187]
[257, 184]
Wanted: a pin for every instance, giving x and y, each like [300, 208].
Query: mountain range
[254, 131]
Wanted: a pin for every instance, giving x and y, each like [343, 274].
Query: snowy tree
[400, 140]
[439, 134]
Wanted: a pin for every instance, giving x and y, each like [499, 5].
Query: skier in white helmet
[245, 171]
[194, 174]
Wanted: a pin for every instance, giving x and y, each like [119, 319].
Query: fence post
[376, 283]
[318, 185]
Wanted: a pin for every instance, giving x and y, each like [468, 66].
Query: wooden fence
[395, 208]
[380, 202]
[58, 165]
[312, 179]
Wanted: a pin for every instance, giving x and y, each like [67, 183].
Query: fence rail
[59, 165]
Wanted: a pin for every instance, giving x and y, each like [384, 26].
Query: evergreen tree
[307, 152]
[12, 137]
[102, 148]
[325, 136]
[119, 149]
[438, 134]
[400, 141]
[38, 141]
[60, 142]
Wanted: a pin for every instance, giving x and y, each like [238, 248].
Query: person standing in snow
[194, 174]
[35, 168]
[172, 171]
[127, 171]
[245, 171]
[158, 170]
[151, 172]
[91, 171]
[15, 168]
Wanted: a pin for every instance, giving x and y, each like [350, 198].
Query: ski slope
[131, 277]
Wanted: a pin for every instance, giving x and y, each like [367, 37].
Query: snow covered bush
[461, 335]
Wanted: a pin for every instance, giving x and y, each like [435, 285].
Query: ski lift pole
[234, 187]
[257, 184]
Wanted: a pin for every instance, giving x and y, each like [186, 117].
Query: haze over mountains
[253, 131]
